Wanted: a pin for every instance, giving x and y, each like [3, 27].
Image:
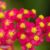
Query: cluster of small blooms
[23, 25]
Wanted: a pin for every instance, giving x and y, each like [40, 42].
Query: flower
[33, 13]
[37, 39]
[11, 33]
[2, 5]
[28, 45]
[2, 15]
[22, 37]
[41, 23]
[48, 35]
[34, 30]
[10, 36]
[21, 25]
[11, 14]
[7, 23]
[26, 13]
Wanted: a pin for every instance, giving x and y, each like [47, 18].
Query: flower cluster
[23, 25]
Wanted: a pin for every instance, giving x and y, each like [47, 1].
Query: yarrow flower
[41, 21]
[7, 23]
[29, 46]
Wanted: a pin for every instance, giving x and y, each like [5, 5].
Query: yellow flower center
[7, 22]
[34, 11]
[49, 34]
[26, 11]
[22, 25]
[23, 36]
[48, 23]
[11, 14]
[34, 30]
[1, 15]
[41, 16]
[28, 45]
[3, 7]
[1, 49]
[41, 24]
[11, 33]
[1, 34]
[36, 38]
[19, 16]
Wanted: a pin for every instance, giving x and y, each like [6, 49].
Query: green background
[42, 7]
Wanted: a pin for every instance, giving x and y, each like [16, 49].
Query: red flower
[10, 36]
[11, 14]
[31, 30]
[37, 39]
[33, 13]
[41, 22]
[26, 13]
[7, 23]
[48, 35]
[48, 22]
[22, 37]
[28, 45]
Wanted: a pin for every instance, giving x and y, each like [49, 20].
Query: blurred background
[42, 7]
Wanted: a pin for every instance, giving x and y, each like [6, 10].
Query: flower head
[2, 5]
